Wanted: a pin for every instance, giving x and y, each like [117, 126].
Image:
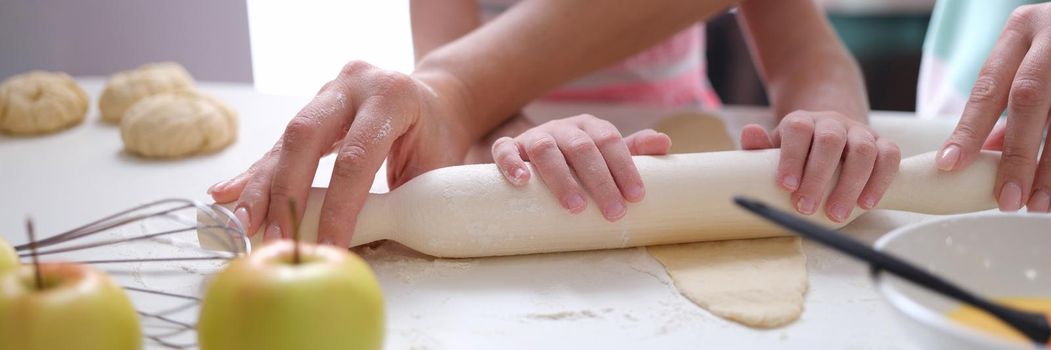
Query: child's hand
[812, 146]
[591, 148]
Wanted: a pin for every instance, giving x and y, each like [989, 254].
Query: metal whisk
[154, 251]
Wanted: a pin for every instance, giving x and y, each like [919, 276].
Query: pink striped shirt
[671, 73]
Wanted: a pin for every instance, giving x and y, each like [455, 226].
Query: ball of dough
[127, 87]
[40, 102]
[178, 124]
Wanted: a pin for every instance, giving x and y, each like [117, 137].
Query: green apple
[8, 257]
[329, 300]
[77, 308]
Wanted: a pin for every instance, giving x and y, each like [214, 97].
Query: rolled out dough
[755, 282]
[696, 132]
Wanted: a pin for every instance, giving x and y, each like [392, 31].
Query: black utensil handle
[1034, 325]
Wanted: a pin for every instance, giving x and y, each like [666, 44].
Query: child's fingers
[858, 163]
[797, 132]
[618, 159]
[754, 136]
[648, 143]
[509, 161]
[887, 161]
[549, 162]
[829, 140]
[584, 157]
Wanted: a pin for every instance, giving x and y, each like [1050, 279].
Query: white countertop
[609, 299]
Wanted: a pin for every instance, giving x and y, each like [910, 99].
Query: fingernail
[242, 217]
[1040, 202]
[519, 175]
[634, 193]
[838, 212]
[806, 205]
[575, 202]
[217, 186]
[948, 157]
[273, 232]
[869, 202]
[325, 241]
[1010, 197]
[614, 211]
[790, 182]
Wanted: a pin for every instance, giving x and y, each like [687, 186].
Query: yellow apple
[8, 257]
[77, 308]
[265, 301]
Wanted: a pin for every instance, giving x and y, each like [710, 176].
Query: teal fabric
[962, 32]
[881, 35]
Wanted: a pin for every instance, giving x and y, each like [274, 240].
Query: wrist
[832, 96]
[825, 78]
[457, 99]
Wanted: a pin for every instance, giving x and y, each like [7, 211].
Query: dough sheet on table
[756, 282]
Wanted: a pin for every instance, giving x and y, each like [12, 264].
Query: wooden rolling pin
[471, 211]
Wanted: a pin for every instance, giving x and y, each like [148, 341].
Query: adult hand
[364, 115]
[1015, 76]
[812, 146]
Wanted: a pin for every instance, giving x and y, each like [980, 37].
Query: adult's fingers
[858, 163]
[648, 142]
[550, 163]
[1040, 200]
[614, 151]
[380, 120]
[888, 160]
[584, 157]
[987, 100]
[253, 202]
[829, 141]
[797, 134]
[995, 141]
[1027, 108]
[229, 190]
[508, 159]
[307, 138]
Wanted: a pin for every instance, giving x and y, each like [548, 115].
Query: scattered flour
[342, 99]
[410, 266]
[419, 340]
[180, 243]
[383, 131]
[567, 315]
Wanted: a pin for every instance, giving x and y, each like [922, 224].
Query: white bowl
[992, 254]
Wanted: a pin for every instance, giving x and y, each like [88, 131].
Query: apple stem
[33, 254]
[295, 231]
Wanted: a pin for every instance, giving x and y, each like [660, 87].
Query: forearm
[801, 59]
[436, 23]
[828, 81]
[540, 44]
